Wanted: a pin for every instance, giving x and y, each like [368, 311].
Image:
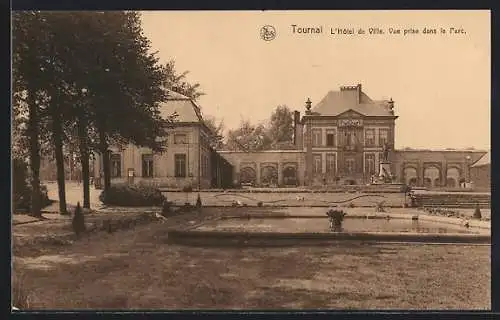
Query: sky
[440, 82]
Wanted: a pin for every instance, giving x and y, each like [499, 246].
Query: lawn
[137, 269]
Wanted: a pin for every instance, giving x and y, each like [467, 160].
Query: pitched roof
[484, 160]
[187, 110]
[337, 102]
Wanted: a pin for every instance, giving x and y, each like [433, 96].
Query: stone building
[480, 173]
[189, 159]
[341, 140]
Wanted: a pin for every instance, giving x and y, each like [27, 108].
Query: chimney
[359, 91]
[297, 132]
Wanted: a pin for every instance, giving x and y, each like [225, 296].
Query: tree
[176, 82]
[61, 55]
[281, 128]
[125, 86]
[248, 137]
[29, 46]
[217, 129]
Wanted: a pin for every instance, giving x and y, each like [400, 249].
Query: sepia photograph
[251, 160]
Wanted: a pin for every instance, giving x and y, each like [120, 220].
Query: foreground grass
[136, 269]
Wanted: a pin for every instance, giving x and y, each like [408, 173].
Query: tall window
[147, 165]
[116, 165]
[180, 138]
[204, 166]
[317, 165]
[370, 163]
[350, 138]
[316, 137]
[350, 165]
[370, 137]
[330, 138]
[383, 136]
[331, 166]
[180, 165]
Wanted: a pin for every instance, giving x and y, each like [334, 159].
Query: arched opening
[452, 177]
[410, 174]
[427, 182]
[290, 176]
[433, 175]
[269, 175]
[248, 175]
[412, 182]
[451, 182]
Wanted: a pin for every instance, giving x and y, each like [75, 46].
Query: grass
[137, 269]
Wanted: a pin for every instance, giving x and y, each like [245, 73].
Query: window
[350, 138]
[370, 163]
[370, 137]
[116, 165]
[317, 165]
[147, 165]
[180, 138]
[180, 165]
[316, 137]
[383, 137]
[331, 166]
[350, 165]
[204, 166]
[330, 138]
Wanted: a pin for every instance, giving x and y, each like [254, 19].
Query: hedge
[132, 196]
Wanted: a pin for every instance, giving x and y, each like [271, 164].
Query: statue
[386, 151]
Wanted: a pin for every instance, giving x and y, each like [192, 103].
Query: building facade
[189, 160]
[341, 140]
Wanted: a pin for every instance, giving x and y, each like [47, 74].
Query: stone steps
[452, 200]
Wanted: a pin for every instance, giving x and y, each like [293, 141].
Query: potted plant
[336, 217]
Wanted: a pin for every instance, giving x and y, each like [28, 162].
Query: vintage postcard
[278, 160]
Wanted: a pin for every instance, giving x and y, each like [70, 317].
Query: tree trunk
[103, 148]
[33, 130]
[84, 158]
[58, 147]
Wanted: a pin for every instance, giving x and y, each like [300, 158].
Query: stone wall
[439, 168]
[481, 177]
[261, 164]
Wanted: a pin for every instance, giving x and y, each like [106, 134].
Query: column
[444, 170]
[309, 160]
[420, 174]
[280, 174]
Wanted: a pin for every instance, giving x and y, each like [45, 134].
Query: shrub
[78, 222]
[477, 212]
[198, 201]
[259, 204]
[132, 196]
[21, 189]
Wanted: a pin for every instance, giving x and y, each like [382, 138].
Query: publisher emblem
[267, 33]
